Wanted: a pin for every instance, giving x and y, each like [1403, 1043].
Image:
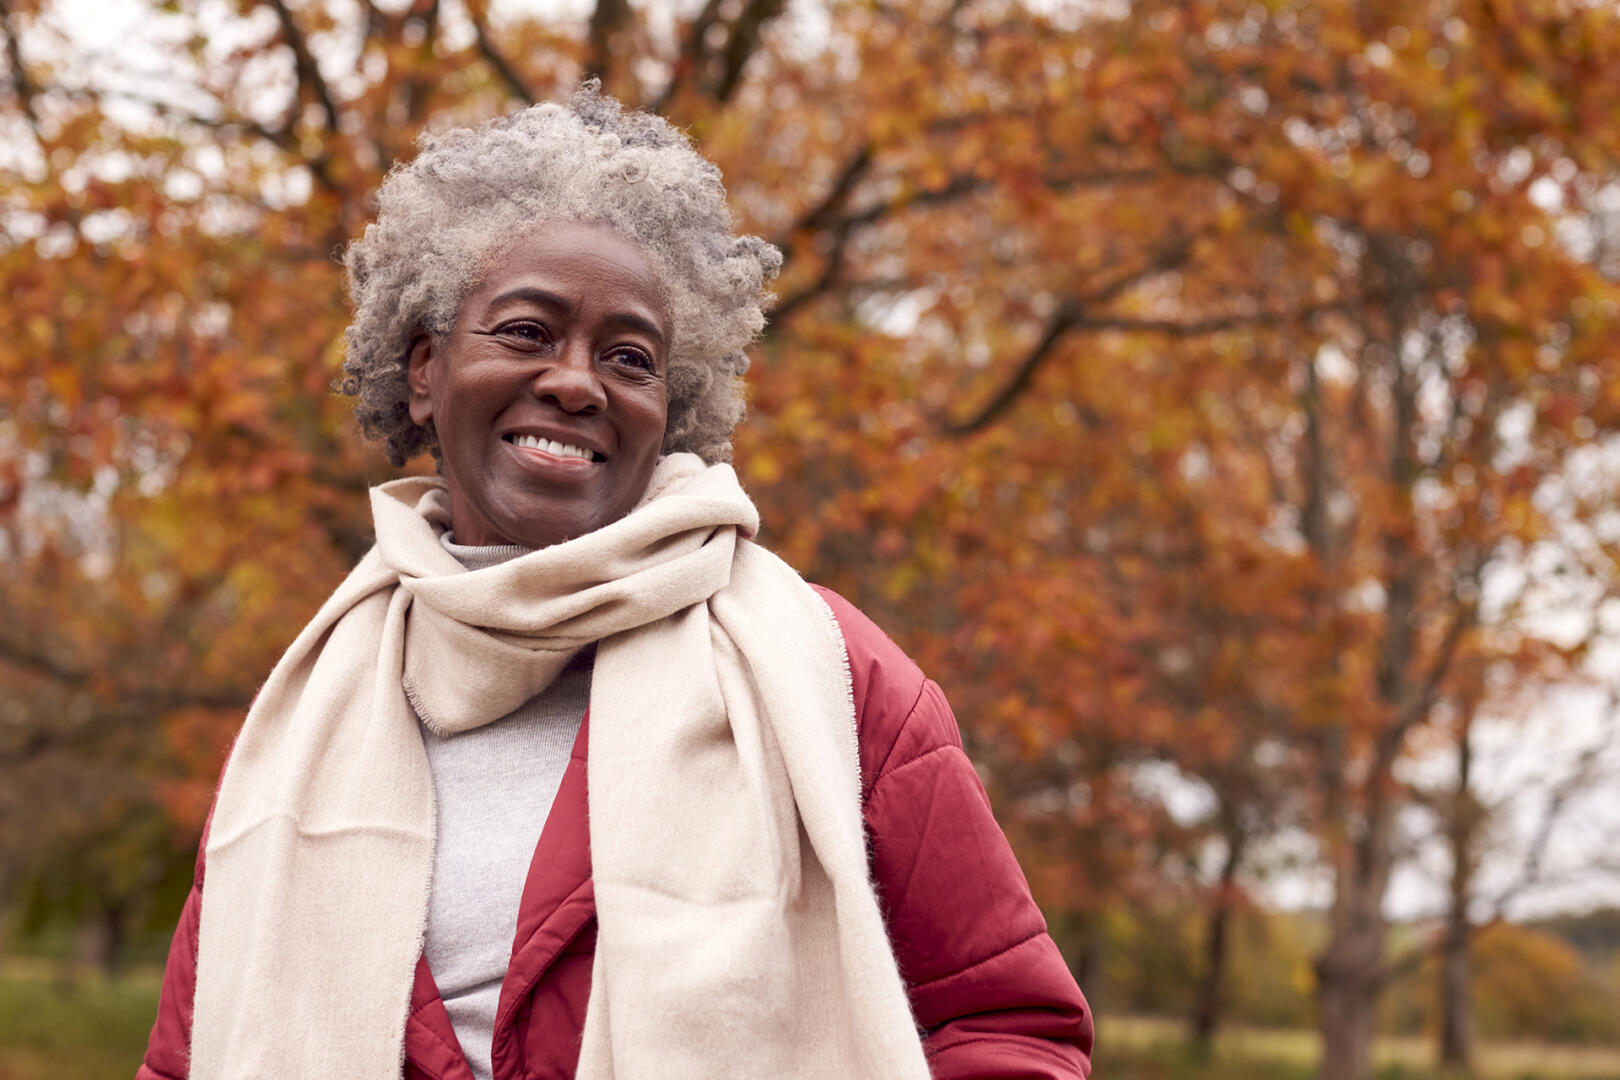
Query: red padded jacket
[987, 985]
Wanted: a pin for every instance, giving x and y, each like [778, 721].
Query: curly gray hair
[468, 190]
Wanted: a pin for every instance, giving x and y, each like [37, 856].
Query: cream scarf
[738, 931]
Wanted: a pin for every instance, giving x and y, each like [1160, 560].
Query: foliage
[1534, 984]
[1527, 984]
[1596, 933]
[1152, 954]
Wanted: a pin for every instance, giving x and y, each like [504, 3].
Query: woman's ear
[418, 377]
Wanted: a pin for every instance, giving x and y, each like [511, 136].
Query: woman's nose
[571, 379]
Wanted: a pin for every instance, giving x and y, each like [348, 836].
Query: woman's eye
[525, 330]
[632, 358]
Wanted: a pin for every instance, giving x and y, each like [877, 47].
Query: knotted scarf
[738, 933]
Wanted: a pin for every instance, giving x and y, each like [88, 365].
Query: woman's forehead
[568, 263]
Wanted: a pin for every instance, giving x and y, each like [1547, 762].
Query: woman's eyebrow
[631, 321]
[532, 294]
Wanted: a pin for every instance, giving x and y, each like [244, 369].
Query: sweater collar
[478, 556]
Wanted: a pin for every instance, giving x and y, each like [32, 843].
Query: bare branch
[307, 70]
[694, 54]
[320, 165]
[377, 21]
[23, 85]
[493, 56]
[956, 186]
[820, 214]
[1061, 322]
[1203, 327]
[824, 281]
[741, 41]
[1579, 778]
[1069, 315]
[969, 183]
[717, 72]
[1462, 620]
[1071, 319]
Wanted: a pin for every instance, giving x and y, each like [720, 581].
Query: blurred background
[1218, 397]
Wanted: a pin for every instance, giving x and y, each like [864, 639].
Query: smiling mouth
[553, 447]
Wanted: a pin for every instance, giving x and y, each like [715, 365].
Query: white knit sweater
[494, 785]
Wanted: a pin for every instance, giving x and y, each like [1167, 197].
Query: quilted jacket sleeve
[168, 1048]
[987, 984]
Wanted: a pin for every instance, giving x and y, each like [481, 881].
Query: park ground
[93, 1027]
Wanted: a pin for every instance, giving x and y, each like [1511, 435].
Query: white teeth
[552, 446]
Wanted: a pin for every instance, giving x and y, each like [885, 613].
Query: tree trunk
[102, 940]
[1350, 970]
[1456, 1005]
[1456, 1010]
[1087, 966]
[1359, 814]
[1347, 1025]
[1207, 1005]
[1347, 975]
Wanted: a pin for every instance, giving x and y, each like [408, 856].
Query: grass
[85, 1028]
[1150, 1048]
[94, 1028]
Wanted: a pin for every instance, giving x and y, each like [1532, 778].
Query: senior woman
[569, 777]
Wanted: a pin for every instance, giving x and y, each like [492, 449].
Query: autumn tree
[1500, 836]
[1167, 377]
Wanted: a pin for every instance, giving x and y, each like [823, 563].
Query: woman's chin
[536, 520]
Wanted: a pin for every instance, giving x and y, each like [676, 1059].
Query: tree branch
[842, 227]
[1069, 315]
[606, 19]
[135, 698]
[24, 86]
[377, 20]
[824, 281]
[38, 663]
[820, 214]
[1070, 318]
[493, 56]
[282, 138]
[1580, 778]
[1423, 701]
[1202, 327]
[959, 185]
[741, 42]
[304, 65]
[1061, 322]
[693, 56]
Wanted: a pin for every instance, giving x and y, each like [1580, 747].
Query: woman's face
[548, 393]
